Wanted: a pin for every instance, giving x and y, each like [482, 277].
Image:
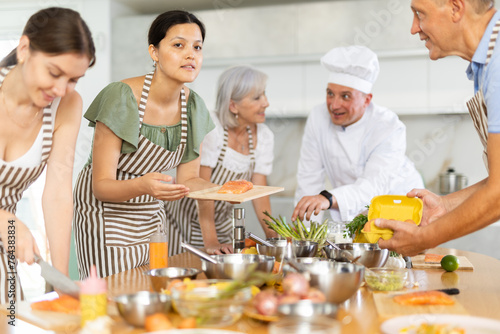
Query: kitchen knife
[452, 291]
[58, 280]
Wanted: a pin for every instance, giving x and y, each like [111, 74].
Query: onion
[315, 295]
[295, 284]
[266, 302]
[288, 299]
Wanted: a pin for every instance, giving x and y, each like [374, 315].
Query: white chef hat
[352, 66]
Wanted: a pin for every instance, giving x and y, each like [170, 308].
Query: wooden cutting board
[55, 321]
[419, 263]
[388, 308]
[255, 192]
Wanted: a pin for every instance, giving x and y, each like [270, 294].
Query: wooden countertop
[479, 293]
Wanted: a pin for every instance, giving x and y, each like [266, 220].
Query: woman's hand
[434, 206]
[155, 184]
[219, 249]
[25, 245]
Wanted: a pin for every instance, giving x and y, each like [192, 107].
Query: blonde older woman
[240, 147]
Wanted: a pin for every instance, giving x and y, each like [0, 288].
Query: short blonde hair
[234, 84]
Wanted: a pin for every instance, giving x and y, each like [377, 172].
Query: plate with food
[251, 312]
[440, 323]
[237, 191]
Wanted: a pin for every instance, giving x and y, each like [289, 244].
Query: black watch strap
[328, 196]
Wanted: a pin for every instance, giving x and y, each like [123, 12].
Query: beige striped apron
[477, 105]
[182, 215]
[114, 236]
[13, 182]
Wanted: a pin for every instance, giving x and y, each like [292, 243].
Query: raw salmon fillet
[424, 298]
[64, 304]
[433, 258]
[235, 187]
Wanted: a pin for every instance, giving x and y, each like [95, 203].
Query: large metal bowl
[308, 308]
[135, 307]
[337, 280]
[235, 266]
[160, 278]
[300, 248]
[371, 254]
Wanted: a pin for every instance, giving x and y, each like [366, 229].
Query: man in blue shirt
[468, 29]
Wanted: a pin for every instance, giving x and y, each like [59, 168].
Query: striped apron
[115, 236]
[13, 182]
[182, 215]
[477, 105]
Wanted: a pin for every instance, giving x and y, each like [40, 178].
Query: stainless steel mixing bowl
[371, 254]
[234, 266]
[301, 248]
[337, 280]
[160, 278]
[135, 307]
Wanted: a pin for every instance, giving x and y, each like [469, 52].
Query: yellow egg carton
[396, 207]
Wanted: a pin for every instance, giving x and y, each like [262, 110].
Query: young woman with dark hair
[40, 114]
[143, 126]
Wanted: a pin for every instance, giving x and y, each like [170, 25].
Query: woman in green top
[143, 126]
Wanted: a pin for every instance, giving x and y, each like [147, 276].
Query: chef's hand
[309, 205]
[18, 240]
[155, 184]
[433, 205]
[407, 238]
[270, 233]
[219, 249]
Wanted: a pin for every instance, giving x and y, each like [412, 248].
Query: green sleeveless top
[116, 107]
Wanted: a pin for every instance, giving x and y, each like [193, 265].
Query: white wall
[286, 42]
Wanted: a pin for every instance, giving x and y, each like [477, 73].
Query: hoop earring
[236, 116]
[154, 63]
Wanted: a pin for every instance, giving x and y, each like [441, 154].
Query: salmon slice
[424, 298]
[64, 304]
[235, 187]
[433, 258]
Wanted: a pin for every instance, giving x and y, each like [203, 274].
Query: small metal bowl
[301, 248]
[308, 260]
[135, 307]
[307, 308]
[160, 278]
[236, 266]
[371, 254]
[305, 248]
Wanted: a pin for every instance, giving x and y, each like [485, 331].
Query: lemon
[255, 290]
[251, 250]
[450, 263]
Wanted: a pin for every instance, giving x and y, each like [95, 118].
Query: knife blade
[452, 291]
[58, 280]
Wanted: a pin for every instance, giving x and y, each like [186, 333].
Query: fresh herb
[253, 278]
[393, 254]
[297, 230]
[356, 225]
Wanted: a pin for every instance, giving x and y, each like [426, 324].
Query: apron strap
[144, 96]
[493, 40]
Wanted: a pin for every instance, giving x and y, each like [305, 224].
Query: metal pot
[450, 181]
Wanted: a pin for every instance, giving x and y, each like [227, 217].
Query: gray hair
[234, 84]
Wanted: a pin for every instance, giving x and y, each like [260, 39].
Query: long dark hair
[56, 31]
[165, 21]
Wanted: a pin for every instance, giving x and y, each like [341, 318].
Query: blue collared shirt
[488, 78]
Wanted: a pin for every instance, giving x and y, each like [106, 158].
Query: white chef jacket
[361, 161]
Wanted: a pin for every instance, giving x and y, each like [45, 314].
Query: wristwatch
[328, 196]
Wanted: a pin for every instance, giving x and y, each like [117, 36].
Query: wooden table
[479, 293]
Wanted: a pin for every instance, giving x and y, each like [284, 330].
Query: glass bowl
[386, 279]
[210, 301]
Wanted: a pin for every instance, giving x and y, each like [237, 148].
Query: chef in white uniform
[358, 145]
